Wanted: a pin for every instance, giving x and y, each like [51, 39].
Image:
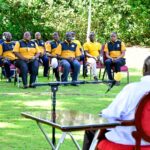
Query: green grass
[18, 133]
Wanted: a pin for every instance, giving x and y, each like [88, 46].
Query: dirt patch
[135, 56]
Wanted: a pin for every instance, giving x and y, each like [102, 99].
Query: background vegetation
[129, 18]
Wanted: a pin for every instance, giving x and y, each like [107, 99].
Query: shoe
[32, 86]
[45, 75]
[117, 83]
[25, 87]
[95, 78]
[73, 84]
[9, 80]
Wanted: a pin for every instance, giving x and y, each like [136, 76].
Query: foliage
[129, 18]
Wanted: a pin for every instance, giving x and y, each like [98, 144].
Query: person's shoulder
[73, 43]
[98, 43]
[131, 86]
[86, 43]
[20, 41]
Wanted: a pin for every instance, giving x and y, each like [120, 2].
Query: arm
[122, 55]
[37, 52]
[20, 56]
[16, 51]
[123, 49]
[90, 56]
[120, 105]
[1, 52]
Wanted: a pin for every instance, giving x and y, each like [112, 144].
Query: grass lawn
[18, 133]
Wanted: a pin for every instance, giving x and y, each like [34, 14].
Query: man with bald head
[43, 56]
[6, 54]
[115, 52]
[28, 53]
[69, 54]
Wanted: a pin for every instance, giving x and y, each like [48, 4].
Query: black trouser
[25, 67]
[88, 138]
[56, 72]
[116, 64]
[45, 60]
[7, 64]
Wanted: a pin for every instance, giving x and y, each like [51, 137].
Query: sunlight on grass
[8, 125]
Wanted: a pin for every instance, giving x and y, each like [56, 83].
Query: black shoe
[73, 84]
[117, 83]
[45, 75]
[32, 86]
[95, 78]
[58, 79]
[25, 87]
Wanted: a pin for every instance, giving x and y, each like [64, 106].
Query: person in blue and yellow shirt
[43, 56]
[51, 49]
[28, 54]
[7, 55]
[115, 52]
[70, 54]
[92, 52]
[82, 57]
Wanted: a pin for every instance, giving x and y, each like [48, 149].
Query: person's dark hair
[146, 66]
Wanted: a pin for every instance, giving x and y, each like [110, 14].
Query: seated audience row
[27, 54]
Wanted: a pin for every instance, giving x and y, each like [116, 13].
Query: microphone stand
[54, 89]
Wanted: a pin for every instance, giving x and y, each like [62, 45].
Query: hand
[48, 54]
[33, 58]
[95, 58]
[25, 59]
[70, 58]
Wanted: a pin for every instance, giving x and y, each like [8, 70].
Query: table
[68, 121]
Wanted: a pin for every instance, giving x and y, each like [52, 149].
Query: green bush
[127, 17]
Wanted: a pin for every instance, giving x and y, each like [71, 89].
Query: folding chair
[12, 69]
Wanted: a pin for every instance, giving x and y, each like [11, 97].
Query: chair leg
[100, 70]
[104, 74]
[15, 78]
[48, 77]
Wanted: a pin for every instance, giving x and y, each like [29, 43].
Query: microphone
[113, 82]
[117, 78]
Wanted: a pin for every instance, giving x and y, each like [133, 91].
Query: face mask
[4, 38]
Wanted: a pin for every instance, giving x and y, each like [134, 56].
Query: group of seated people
[27, 53]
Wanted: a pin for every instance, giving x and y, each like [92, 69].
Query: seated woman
[123, 108]
[28, 54]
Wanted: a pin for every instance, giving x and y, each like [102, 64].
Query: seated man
[92, 51]
[123, 108]
[51, 48]
[82, 57]
[3, 37]
[115, 52]
[69, 54]
[43, 56]
[7, 55]
[28, 53]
